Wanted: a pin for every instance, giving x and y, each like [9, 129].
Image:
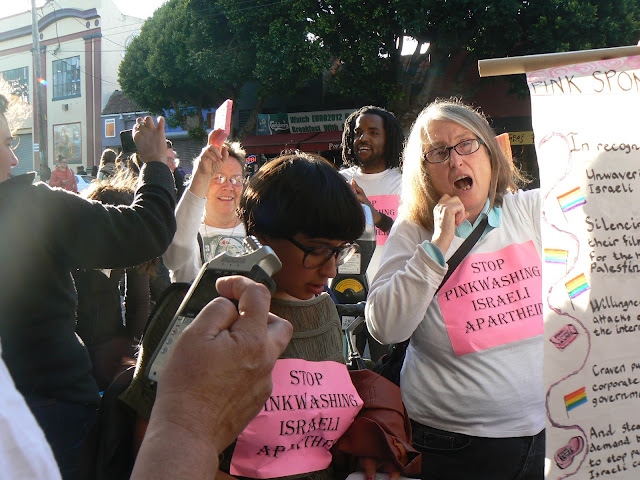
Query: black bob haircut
[301, 193]
[394, 142]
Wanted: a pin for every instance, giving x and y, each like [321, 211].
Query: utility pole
[39, 87]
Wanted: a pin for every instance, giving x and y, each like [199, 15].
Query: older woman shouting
[472, 375]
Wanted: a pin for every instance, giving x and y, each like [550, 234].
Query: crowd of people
[474, 404]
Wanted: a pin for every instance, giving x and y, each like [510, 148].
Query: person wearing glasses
[302, 208]
[206, 214]
[472, 375]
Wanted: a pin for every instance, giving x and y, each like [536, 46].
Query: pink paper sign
[311, 406]
[222, 119]
[387, 204]
[222, 122]
[493, 299]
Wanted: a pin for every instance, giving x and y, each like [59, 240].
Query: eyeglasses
[15, 142]
[315, 257]
[236, 180]
[465, 147]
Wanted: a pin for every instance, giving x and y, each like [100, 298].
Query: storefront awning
[274, 144]
[323, 142]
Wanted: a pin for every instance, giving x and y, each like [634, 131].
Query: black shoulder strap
[201, 245]
[465, 248]
[389, 366]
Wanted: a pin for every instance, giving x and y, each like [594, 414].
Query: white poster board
[586, 121]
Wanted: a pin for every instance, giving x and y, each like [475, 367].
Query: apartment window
[66, 78]
[18, 78]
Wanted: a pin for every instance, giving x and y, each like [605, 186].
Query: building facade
[82, 43]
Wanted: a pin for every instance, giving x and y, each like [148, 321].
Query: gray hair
[418, 195]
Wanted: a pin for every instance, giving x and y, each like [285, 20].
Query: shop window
[66, 78]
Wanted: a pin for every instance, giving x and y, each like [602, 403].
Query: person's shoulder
[521, 196]
[523, 203]
[408, 229]
[393, 175]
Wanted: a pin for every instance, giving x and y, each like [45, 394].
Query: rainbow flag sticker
[575, 399]
[554, 255]
[572, 199]
[577, 286]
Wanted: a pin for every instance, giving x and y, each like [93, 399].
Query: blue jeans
[65, 425]
[454, 456]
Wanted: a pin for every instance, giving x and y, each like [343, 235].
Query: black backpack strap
[390, 365]
[201, 245]
[463, 249]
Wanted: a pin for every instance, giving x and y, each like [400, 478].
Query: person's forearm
[169, 452]
[403, 287]
[199, 184]
[384, 222]
[184, 251]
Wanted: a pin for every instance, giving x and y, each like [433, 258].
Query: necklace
[217, 243]
[208, 234]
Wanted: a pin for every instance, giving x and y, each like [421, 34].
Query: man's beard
[370, 160]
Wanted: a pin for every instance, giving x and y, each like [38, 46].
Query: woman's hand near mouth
[448, 214]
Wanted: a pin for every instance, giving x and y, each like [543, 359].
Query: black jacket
[45, 234]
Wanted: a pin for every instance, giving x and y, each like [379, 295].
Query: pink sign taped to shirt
[311, 406]
[387, 204]
[493, 299]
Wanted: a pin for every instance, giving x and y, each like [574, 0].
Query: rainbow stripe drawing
[554, 255]
[572, 199]
[577, 286]
[575, 399]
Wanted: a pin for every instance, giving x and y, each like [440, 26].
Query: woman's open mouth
[463, 183]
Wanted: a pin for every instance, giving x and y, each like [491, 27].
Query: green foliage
[286, 53]
[365, 36]
[183, 58]
[199, 52]
[198, 133]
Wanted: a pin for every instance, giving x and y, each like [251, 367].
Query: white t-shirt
[383, 191]
[219, 240]
[24, 451]
[492, 385]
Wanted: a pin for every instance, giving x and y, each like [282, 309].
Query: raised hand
[216, 379]
[150, 140]
[208, 163]
[447, 215]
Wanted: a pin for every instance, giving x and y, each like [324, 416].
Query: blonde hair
[418, 195]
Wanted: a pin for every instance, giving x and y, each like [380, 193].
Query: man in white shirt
[372, 144]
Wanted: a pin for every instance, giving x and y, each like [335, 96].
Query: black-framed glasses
[235, 180]
[465, 147]
[315, 257]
